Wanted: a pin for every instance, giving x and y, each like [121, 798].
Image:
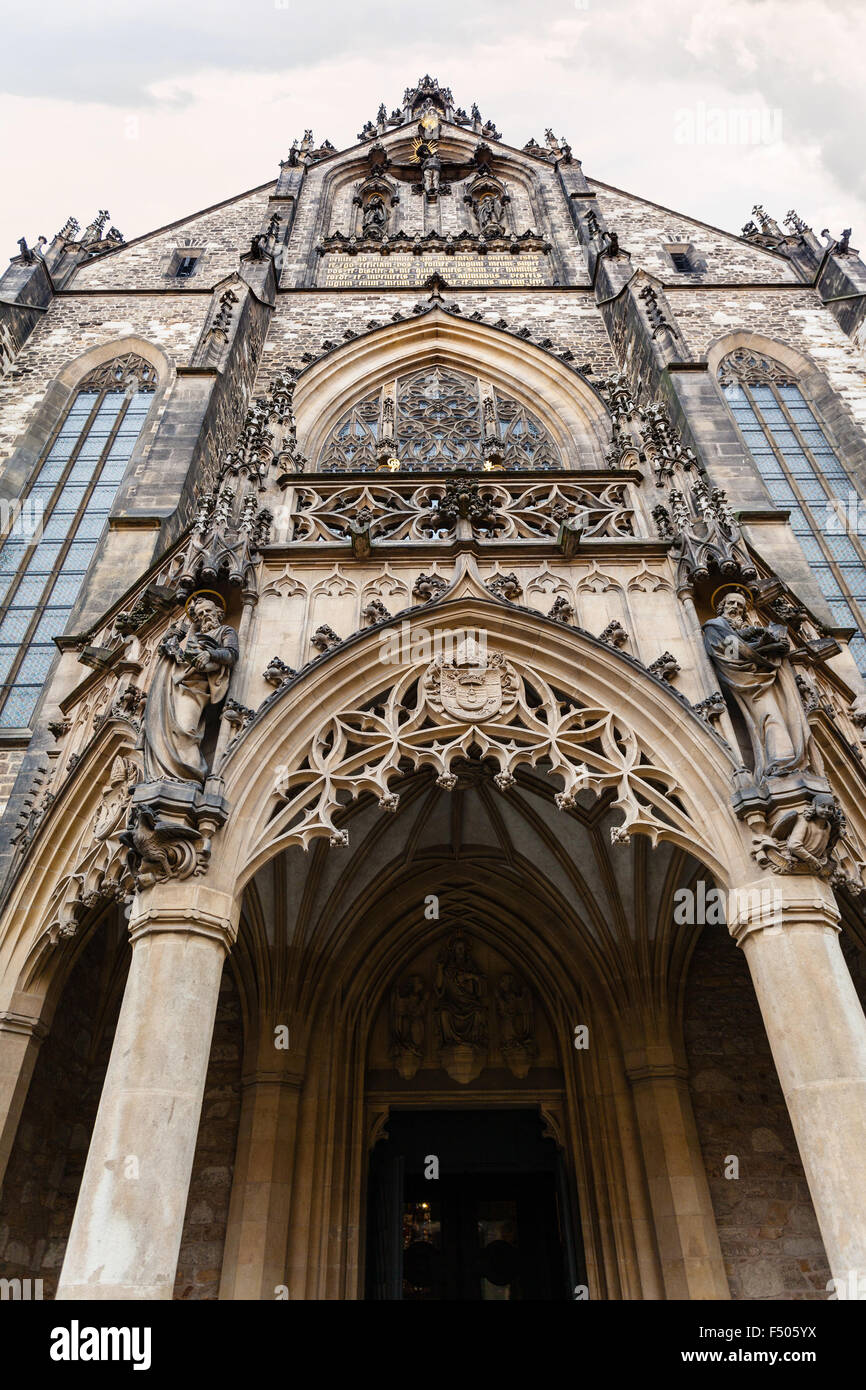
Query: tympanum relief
[461, 1008]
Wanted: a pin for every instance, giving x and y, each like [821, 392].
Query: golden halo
[730, 588]
[205, 593]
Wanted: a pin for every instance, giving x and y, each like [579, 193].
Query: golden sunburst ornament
[421, 148]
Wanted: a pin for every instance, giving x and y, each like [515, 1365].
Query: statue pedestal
[463, 1062]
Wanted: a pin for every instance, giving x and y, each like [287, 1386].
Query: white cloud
[161, 110]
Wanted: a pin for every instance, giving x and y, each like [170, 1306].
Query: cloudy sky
[154, 111]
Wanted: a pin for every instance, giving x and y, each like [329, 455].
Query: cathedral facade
[432, 722]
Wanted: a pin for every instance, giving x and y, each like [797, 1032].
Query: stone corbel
[170, 828]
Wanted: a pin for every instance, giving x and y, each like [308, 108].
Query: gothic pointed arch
[608, 728]
[533, 384]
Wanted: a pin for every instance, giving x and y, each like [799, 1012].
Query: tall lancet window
[63, 512]
[804, 476]
[438, 420]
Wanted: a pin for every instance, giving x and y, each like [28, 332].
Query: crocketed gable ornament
[473, 685]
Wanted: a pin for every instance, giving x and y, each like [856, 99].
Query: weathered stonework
[435, 439]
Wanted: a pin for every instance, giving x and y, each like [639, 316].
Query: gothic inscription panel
[463, 269]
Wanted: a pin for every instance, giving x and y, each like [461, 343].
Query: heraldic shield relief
[476, 685]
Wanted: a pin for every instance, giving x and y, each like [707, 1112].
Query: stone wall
[221, 232]
[644, 227]
[305, 320]
[76, 323]
[770, 1240]
[795, 317]
[10, 762]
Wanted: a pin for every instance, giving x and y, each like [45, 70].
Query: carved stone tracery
[504, 511]
[477, 706]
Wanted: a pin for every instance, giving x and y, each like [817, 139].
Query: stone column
[254, 1263]
[685, 1224]
[20, 1037]
[788, 928]
[128, 1221]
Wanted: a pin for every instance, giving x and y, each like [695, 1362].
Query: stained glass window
[57, 527]
[439, 420]
[804, 476]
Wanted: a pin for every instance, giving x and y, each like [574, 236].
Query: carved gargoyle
[158, 849]
[506, 586]
[375, 612]
[324, 639]
[429, 586]
[614, 634]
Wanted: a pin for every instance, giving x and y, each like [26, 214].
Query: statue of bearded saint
[190, 675]
[751, 664]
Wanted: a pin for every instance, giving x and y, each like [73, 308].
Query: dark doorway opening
[494, 1225]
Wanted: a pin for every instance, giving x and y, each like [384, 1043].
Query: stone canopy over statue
[751, 662]
[192, 673]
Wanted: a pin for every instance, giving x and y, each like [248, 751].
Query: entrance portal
[490, 1223]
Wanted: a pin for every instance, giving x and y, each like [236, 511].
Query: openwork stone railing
[398, 510]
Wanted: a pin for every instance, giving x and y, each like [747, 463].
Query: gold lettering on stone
[402, 270]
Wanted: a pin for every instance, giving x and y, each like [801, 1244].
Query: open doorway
[494, 1225]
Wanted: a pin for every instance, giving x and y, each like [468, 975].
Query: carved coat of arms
[475, 686]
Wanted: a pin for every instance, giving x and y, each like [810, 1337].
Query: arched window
[442, 420]
[805, 477]
[57, 527]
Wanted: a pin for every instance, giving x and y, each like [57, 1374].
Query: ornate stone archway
[546, 700]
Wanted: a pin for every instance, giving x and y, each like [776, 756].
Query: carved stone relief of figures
[460, 1011]
[408, 1025]
[516, 1024]
[193, 671]
[473, 1026]
[751, 664]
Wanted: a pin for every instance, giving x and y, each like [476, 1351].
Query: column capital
[186, 908]
[781, 902]
[656, 1071]
[12, 1022]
